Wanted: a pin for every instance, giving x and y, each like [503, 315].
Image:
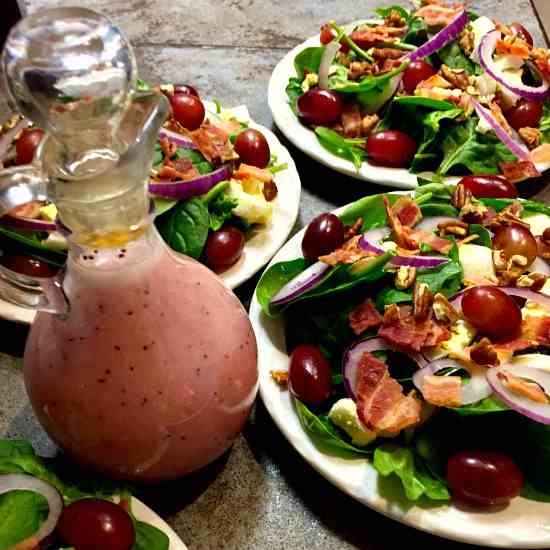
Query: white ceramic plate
[304, 139]
[265, 241]
[523, 524]
[145, 514]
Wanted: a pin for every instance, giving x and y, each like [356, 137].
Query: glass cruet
[140, 362]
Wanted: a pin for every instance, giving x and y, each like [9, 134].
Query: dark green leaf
[185, 227]
[433, 104]
[455, 58]
[158, 156]
[199, 162]
[15, 447]
[294, 91]
[325, 436]
[367, 83]
[149, 538]
[350, 149]
[371, 209]
[417, 32]
[308, 61]
[544, 125]
[386, 11]
[484, 238]
[531, 493]
[490, 404]
[221, 210]
[438, 209]
[528, 206]
[32, 246]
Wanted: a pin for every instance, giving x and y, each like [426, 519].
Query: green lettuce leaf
[293, 92]
[308, 60]
[528, 206]
[385, 12]
[350, 149]
[149, 538]
[341, 84]
[453, 56]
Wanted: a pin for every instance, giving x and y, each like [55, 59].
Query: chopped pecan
[518, 260]
[474, 212]
[444, 310]
[483, 353]
[392, 314]
[405, 277]
[269, 190]
[509, 215]
[534, 281]
[358, 69]
[530, 136]
[499, 260]
[467, 41]
[457, 77]
[461, 196]
[368, 123]
[422, 301]
[280, 377]
[453, 227]
[394, 19]
[352, 230]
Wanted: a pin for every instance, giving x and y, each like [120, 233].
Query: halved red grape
[519, 30]
[26, 145]
[416, 72]
[324, 234]
[482, 478]
[94, 524]
[253, 148]
[524, 114]
[490, 186]
[318, 106]
[28, 266]
[516, 239]
[309, 376]
[391, 148]
[491, 311]
[188, 110]
[224, 247]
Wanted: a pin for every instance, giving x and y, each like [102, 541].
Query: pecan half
[530, 136]
[534, 280]
[422, 301]
[405, 277]
[391, 314]
[457, 77]
[483, 353]
[453, 227]
[444, 310]
[507, 216]
[368, 124]
[461, 196]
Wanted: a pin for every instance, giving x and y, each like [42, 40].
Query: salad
[436, 88]
[45, 504]
[418, 330]
[212, 183]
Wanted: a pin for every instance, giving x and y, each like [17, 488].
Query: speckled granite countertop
[261, 494]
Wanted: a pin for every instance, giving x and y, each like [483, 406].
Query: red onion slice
[442, 38]
[531, 295]
[539, 412]
[178, 139]
[326, 61]
[474, 390]
[300, 284]
[352, 358]
[22, 482]
[190, 188]
[515, 147]
[420, 262]
[485, 53]
[370, 241]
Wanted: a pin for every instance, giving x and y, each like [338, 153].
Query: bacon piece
[437, 243]
[386, 53]
[536, 328]
[213, 143]
[246, 171]
[497, 113]
[180, 169]
[519, 170]
[27, 210]
[443, 391]
[167, 147]
[351, 120]
[400, 233]
[407, 211]
[354, 229]
[381, 404]
[364, 316]
[349, 253]
[437, 15]
[389, 65]
[521, 387]
[409, 334]
[367, 37]
[515, 47]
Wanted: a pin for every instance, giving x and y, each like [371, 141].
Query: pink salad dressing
[153, 372]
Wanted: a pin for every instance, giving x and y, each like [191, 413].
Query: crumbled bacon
[364, 316]
[27, 210]
[366, 37]
[536, 328]
[405, 332]
[381, 404]
[354, 229]
[180, 169]
[407, 211]
[280, 377]
[357, 69]
[386, 53]
[246, 171]
[521, 387]
[167, 147]
[213, 143]
[394, 19]
[351, 120]
[349, 253]
[437, 15]
[513, 46]
[389, 65]
[443, 391]
[437, 243]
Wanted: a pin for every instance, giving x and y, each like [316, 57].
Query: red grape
[483, 478]
[94, 524]
[224, 247]
[28, 266]
[27, 144]
[318, 106]
[489, 186]
[491, 311]
[185, 89]
[524, 114]
[253, 148]
[309, 375]
[324, 234]
[519, 30]
[516, 239]
[391, 148]
[416, 72]
[188, 110]
[328, 34]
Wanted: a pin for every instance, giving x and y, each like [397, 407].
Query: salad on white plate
[435, 88]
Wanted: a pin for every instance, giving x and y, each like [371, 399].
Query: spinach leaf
[162, 205]
[490, 404]
[350, 149]
[199, 162]
[544, 125]
[528, 206]
[324, 434]
[371, 209]
[345, 86]
[185, 226]
[438, 209]
[531, 493]
[453, 56]
[484, 238]
[308, 60]
[416, 479]
[417, 33]
[293, 92]
[30, 244]
[158, 156]
[386, 11]
[149, 538]
[465, 150]
[21, 514]
[221, 210]
[15, 447]
[418, 101]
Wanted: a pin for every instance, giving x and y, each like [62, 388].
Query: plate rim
[319, 461]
